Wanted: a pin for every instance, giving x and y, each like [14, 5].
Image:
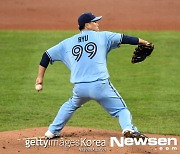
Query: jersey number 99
[90, 48]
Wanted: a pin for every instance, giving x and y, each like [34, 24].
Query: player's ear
[87, 26]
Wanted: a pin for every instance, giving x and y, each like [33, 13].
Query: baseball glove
[141, 52]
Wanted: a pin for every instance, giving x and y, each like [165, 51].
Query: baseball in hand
[38, 87]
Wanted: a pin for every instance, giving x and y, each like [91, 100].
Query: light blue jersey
[85, 54]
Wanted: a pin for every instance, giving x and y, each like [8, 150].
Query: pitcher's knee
[116, 112]
[72, 104]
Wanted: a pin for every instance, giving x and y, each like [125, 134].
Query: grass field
[150, 89]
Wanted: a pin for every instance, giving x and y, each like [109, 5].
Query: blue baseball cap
[86, 18]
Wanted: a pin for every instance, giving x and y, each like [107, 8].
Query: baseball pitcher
[85, 54]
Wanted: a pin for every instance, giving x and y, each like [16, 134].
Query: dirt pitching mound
[79, 140]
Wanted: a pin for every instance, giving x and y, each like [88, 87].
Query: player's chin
[97, 29]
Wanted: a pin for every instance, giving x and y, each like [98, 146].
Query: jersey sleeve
[113, 40]
[55, 53]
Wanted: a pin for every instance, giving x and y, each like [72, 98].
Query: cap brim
[96, 18]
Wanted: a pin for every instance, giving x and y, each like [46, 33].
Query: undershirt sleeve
[45, 60]
[130, 40]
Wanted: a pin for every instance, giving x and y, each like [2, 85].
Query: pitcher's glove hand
[141, 52]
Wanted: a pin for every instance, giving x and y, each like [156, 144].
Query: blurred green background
[150, 88]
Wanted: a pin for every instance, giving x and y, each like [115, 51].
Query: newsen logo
[147, 141]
